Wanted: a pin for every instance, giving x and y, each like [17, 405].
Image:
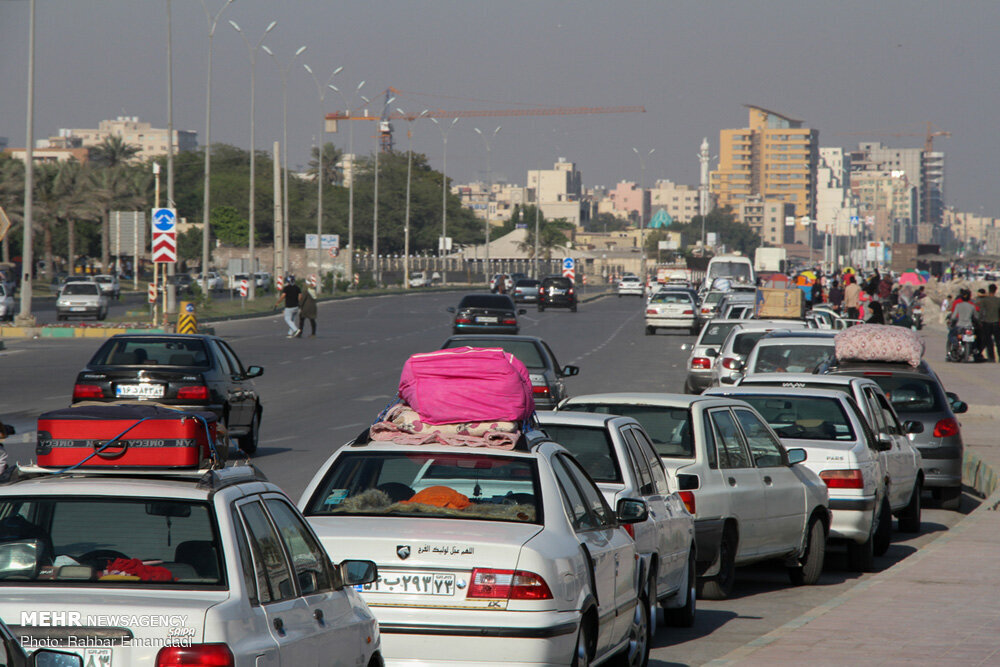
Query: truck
[770, 260]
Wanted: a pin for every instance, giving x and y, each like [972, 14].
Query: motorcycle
[963, 348]
[918, 318]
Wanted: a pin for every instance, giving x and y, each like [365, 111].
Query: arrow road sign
[164, 248]
[164, 220]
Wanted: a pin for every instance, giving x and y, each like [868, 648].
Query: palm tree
[112, 152]
[11, 196]
[110, 158]
[120, 187]
[73, 187]
[331, 157]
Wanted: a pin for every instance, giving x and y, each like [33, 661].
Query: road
[320, 392]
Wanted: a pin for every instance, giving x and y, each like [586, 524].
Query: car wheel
[248, 442]
[883, 535]
[573, 308]
[650, 331]
[861, 557]
[683, 617]
[810, 566]
[101, 316]
[581, 654]
[950, 497]
[720, 586]
[541, 308]
[909, 518]
[60, 318]
[636, 652]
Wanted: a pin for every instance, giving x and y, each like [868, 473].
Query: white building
[834, 201]
[152, 142]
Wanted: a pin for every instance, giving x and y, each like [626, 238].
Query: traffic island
[80, 330]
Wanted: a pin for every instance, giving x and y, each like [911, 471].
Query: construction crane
[385, 126]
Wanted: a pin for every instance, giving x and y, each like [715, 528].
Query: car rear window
[712, 298]
[527, 283]
[565, 283]
[148, 351]
[81, 288]
[591, 446]
[803, 417]
[715, 334]
[486, 301]
[669, 428]
[791, 358]
[525, 351]
[744, 342]
[671, 297]
[137, 542]
[910, 394]
[479, 487]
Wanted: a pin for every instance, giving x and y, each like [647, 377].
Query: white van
[736, 268]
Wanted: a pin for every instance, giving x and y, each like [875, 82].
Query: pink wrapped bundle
[402, 424]
[879, 342]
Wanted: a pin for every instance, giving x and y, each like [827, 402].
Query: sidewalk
[940, 605]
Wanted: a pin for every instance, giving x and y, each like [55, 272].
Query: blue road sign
[164, 220]
[855, 220]
[189, 308]
[568, 263]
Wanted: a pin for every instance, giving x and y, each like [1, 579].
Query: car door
[784, 495]
[902, 469]
[290, 620]
[559, 386]
[647, 533]
[742, 480]
[233, 385]
[257, 640]
[890, 460]
[599, 542]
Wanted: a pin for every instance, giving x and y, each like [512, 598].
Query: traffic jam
[485, 516]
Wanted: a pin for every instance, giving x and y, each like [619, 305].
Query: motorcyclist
[964, 315]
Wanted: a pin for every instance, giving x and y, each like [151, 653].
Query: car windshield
[480, 487]
[803, 417]
[148, 351]
[737, 270]
[671, 297]
[712, 298]
[486, 301]
[790, 358]
[525, 350]
[136, 543]
[669, 428]
[910, 394]
[104, 279]
[563, 283]
[715, 334]
[591, 446]
[80, 288]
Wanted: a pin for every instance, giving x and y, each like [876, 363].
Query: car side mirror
[49, 658]
[450, 309]
[797, 455]
[254, 372]
[685, 347]
[913, 426]
[883, 443]
[711, 352]
[688, 482]
[632, 510]
[521, 311]
[958, 406]
[357, 572]
[570, 371]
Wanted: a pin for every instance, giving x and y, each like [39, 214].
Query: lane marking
[609, 339]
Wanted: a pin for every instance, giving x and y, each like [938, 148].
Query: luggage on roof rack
[879, 342]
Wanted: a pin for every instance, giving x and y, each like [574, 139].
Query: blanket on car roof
[404, 425]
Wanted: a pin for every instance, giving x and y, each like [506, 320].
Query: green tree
[12, 201]
[113, 151]
[606, 222]
[331, 156]
[229, 226]
[189, 245]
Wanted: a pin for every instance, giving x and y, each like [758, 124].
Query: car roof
[534, 339]
[780, 391]
[800, 377]
[165, 335]
[534, 439]
[592, 419]
[757, 325]
[636, 398]
[883, 366]
[793, 336]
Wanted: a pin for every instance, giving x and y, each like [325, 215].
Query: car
[182, 371]
[822, 317]
[420, 279]
[485, 556]
[109, 285]
[708, 306]
[845, 453]
[671, 309]
[751, 498]
[82, 299]
[8, 277]
[742, 338]
[213, 281]
[736, 311]
[704, 354]
[12, 654]
[526, 290]
[556, 292]
[618, 455]
[236, 281]
[8, 307]
[191, 566]
[508, 282]
[536, 355]
[798, 351]
[735, 298]
[182, 283]
[630, 285]
[486, 313]
[263, 279]
[735, 268]
[917, 394]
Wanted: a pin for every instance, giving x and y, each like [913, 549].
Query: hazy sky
[862, 66]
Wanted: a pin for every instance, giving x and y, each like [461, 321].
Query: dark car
[538, 358]
[486, 313]
[917, 394]
[181, 371]
[12, 654]
[182, 282]
[526, 290]
[556, 292]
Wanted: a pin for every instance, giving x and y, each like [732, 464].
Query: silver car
[790, 352]
[109, 285]
[7, 306]
[82, 299]
[733, 353]
[704, 353]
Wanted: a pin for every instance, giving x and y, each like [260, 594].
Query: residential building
[891, 198]
[557, 191]
[923, 170]
[43, 155]
[834, 200]
[775, 157]
[630, 202]
[152, 142]
[679, 201]
[768, 217]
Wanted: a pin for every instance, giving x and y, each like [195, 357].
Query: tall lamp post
[444, 195]
[206, 231]
[642, 207]
[489, 192]
[320, 171]
[350, 189]
[409, 172]
[27, 256]
[252, 51]
[284, 150]
[378, 134]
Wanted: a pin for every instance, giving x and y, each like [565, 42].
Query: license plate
[968, 339]
[417, 583]
[557, 291]
[99, 657]
[139, 390]
[487, 320]
[77, 309]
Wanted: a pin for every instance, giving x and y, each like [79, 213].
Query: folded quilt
[403, 424]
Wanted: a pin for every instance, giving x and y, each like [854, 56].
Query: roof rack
[206, 478]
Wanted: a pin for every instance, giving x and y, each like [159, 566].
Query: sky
[842, 67]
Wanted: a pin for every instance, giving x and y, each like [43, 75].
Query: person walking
[290, 293]
[989, 317]
[835, 296]
[852, 297]
[307, 311]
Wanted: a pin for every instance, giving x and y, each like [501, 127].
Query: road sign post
[569, 268]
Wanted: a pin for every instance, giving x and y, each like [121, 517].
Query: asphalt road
[320, 392]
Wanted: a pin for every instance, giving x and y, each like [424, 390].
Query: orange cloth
[440, 496]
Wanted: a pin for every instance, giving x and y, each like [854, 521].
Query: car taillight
[842, 479]
[195, 393]
[689, 312]
[196, 655]
[508, 585]
[652, 311]
[463, 320]
[541, 290]
[570, 291]
[701, 362]
[946, 427]
[706, 311]
[509, 320]
[630, 529]
[729, 363]
[87, 391]
[688, 498]
[540, 390]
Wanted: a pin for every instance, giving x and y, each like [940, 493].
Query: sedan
[82, 299]
[631, 285]
[485, 556]
[187, 372]
[526, 290]
[486, 313]
[536, 355]
[7, 305]
[671, 309]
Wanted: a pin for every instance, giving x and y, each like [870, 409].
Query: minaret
[703, 158]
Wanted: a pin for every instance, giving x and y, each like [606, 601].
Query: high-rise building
[774, 158]
[924, 170]
[834, 200]
[891, 199]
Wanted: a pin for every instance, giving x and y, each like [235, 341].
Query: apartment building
[891, 198]
[923, 169]
[151, 141]
[775, 157]
[834, 200]
[768, 217]
[557, 191]
[679, 201]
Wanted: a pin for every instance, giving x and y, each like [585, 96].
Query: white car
[671, 309]
[82, 299]
[617, 454]
[219, 561]
[213, 281]
[752, 500]
[704, 354]
[109, 285]
[485, 556]
[8, 307]
[731, 362]
[631, 285]
[795, 351]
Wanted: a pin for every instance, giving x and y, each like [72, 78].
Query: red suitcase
[154, 437]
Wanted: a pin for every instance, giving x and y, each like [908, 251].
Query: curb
[71, 332]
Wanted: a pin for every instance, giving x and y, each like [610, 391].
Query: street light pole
[320, 172]
[206, 231]
[252, 51]
[444, 196]
[27, 256]
[350, 189]
[489, 193]
[409, 172]
[642, 208]
[378, 134]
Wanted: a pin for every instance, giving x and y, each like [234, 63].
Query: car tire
[883, 535]
[810, 565]
[909, 518]
[573, 308]
[101, 316]
[581, 653]
[248, 442]
[950, 497]
[683, 617]
[861, 557]
[60, 317]
[636, 652]
[650, 331]
[720, 586]
[541, 308]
